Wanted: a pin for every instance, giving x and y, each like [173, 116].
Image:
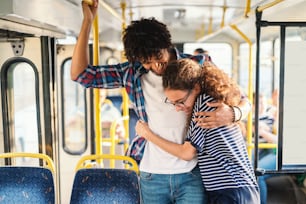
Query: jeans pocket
[145, 176]
[195, 172]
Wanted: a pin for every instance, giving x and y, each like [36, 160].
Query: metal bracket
[17, 47]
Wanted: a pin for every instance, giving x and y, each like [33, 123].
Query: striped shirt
[267, 119]
[222, 155]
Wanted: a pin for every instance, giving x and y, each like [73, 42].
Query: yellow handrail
[223, 16]
[112, 139]
[125, 98]
[47, 160]
[125, 108]
[107, 7]
[96, 54]
[268, 5]
[249, 144]
[250, 89]
[133, 165]
[247, 8]
[248, 12]
[264, 145]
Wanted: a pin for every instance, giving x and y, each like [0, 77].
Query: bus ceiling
[188, 22]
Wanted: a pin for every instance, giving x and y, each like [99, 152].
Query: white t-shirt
[166, 122]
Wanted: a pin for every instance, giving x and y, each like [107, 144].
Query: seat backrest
[96, 185]
[26, 185]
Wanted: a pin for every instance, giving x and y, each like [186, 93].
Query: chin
[157, 73]
[160, 72]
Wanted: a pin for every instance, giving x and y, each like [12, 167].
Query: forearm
[245, 107]
[268, 136]
[242, 110]
[183, 151]
[80, 58]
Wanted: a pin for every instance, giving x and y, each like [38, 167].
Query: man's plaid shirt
[126, 75]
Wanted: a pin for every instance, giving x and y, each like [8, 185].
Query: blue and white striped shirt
[222, 155]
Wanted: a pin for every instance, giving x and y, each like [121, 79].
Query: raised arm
[80, 57]
[183, 151]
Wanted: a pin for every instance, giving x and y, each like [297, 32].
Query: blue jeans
[184, 188]
[243, 195]
[267, 162]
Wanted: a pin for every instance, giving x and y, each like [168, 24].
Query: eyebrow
[182, 100]
[179, 100]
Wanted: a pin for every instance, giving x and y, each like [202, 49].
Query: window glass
[221, 54]
[298, 35]
[74, 113]
[266, 67]
[22, 78]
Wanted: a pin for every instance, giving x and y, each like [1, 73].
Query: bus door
[73, 121]
[25, 96]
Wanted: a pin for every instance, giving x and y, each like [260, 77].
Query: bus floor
[284, 190]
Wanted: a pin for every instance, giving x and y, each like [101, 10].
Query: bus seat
[98, 185]
[27, 185]
[105, 185]
[283, 189]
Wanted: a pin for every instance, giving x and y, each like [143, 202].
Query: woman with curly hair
[226, 171]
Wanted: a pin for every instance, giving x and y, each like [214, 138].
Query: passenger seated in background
[267, 157]
[227, 173]
[109, 114]
[266, 121]
[200, 51]
[267, 131]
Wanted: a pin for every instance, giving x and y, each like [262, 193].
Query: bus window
[292, 38]
[266, 67]
[221, 54]
[25, 109]
[74, 140]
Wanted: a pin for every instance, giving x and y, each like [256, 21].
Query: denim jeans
[243, 195]
[184, 188]
[267, 162]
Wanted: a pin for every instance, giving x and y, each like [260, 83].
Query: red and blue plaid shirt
[126, 75]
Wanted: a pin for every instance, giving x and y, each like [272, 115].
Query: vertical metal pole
[281, 97]
[257, 80]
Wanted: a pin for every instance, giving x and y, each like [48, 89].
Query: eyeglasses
[180, 103]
